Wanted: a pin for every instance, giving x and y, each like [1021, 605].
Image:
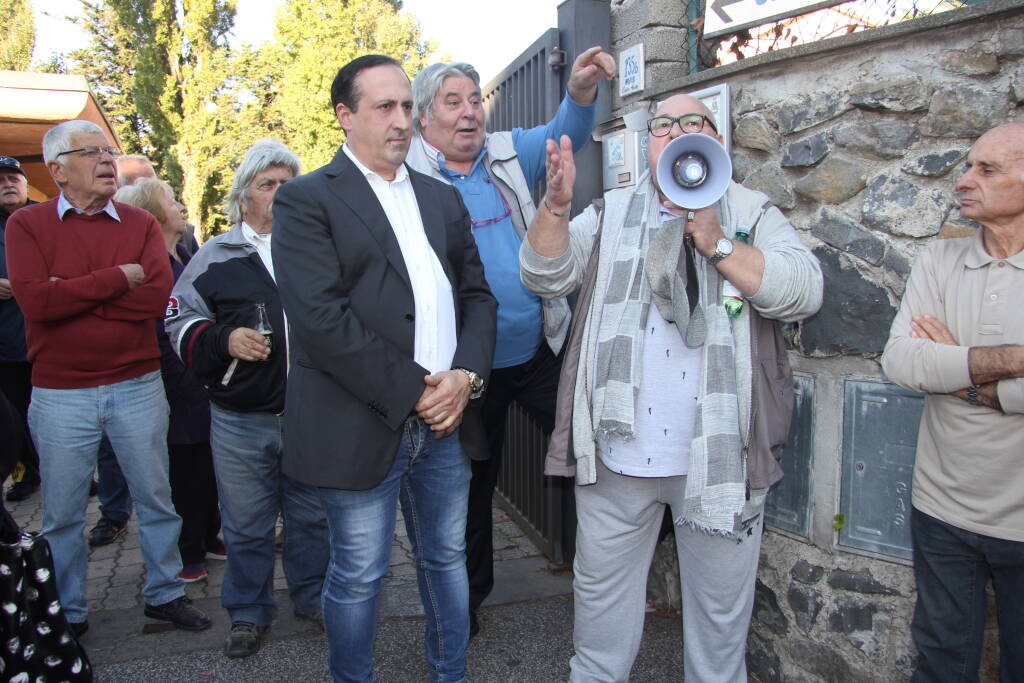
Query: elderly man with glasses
[494, 174]
[670, 399]
[91, 275]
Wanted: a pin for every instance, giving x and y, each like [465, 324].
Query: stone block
[859, 582]
[1017, 87]
[855, 315]
[895, 94]
[763, 662]
[807, 573]
[767, 610]
[806, 604]
[877, 139]
[822, 661]
[833, 181]
[806, 152]
[774, 183]
[664, 43]
[963, 112]
[1011, 42]
[840, 231]
[851, 616]
[754, 131]
[807, 111]
[634, 16]
[745, 162]
[934, 165]
[952, 231]
[897, 263]
[973, 62]
[661, 72]
[899, 207]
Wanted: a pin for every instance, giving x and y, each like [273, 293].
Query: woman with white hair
[228, 326]
[193, 487]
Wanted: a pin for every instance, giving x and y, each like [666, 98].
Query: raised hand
[587, 71]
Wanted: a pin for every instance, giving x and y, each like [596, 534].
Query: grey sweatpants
[619, 518]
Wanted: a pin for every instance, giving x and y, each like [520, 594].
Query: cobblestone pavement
[116, 571]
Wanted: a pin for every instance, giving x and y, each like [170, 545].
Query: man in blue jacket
[494, 173]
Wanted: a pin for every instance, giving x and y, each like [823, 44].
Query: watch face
[724, 246]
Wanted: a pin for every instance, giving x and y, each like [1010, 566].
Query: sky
[453, 24]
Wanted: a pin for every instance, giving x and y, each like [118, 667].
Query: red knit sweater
[86, 328]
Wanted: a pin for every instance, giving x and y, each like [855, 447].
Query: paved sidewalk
[526, 624]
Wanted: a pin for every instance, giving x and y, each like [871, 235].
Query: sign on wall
[631, 70]
[729, 16]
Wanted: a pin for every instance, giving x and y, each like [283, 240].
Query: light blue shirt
[63, 206]
[520, 318]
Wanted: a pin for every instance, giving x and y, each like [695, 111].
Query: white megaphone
[694, 171]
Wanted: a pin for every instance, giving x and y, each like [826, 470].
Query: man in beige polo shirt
[959, 337]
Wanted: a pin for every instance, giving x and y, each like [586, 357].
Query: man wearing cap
[669, 399]
[15, 370]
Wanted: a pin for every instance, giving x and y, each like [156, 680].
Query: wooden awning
[32, 103]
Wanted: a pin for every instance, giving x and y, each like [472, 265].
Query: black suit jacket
[346, 291]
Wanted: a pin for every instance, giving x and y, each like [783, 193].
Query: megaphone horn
[694, 171]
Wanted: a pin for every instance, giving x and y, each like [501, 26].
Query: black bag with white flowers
[36, 642]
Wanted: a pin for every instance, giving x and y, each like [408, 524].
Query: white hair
[428, 83]
[262, 155]
[58, 139]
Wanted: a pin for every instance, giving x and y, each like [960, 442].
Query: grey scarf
[648, 267]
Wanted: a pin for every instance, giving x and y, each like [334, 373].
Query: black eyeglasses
[661, 126]
[94, 152]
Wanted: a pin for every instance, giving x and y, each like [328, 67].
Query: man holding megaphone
[664, 397]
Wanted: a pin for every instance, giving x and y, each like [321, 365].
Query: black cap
[11, 164]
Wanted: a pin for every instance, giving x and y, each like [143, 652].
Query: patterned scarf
[648, 267]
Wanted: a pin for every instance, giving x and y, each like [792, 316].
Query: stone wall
[857, 139]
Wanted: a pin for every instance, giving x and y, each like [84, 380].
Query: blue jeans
[431, 479]
[112, 489]
[247, 450]
[67, 426]
[951, 567]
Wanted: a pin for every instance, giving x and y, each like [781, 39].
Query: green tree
[19, 34]
[159, 68]
[314, 39]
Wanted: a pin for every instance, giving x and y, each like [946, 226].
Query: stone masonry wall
[858, 140]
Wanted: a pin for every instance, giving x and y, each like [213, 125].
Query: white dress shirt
[435, 338]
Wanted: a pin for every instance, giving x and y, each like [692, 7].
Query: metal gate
[526, 94]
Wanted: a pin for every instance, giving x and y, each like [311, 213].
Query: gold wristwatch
[476, 383]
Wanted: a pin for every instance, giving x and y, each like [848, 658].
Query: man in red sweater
[90, 275]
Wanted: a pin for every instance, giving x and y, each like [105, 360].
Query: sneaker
[243, 639]
[181, 613]
[217, 551]
[21, 490]
[106, 532]
[78, 628]
[314, 617]
[191, 573]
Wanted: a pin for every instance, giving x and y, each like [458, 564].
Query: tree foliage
[176, 90]
[19, 34]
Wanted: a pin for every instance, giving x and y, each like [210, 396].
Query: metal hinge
[556, 58]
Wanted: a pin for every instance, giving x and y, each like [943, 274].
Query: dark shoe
[243, 639]
[191, 573]
[474, 625]
[315, 617]
[106, 532]
[21, 490]
[217, 551]
[181, 613]
[78, 628]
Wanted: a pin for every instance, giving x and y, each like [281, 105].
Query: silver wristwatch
[723, 248]
[476, 383]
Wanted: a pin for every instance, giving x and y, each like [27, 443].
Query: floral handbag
[36, 642]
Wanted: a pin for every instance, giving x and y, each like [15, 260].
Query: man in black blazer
[392, 330]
